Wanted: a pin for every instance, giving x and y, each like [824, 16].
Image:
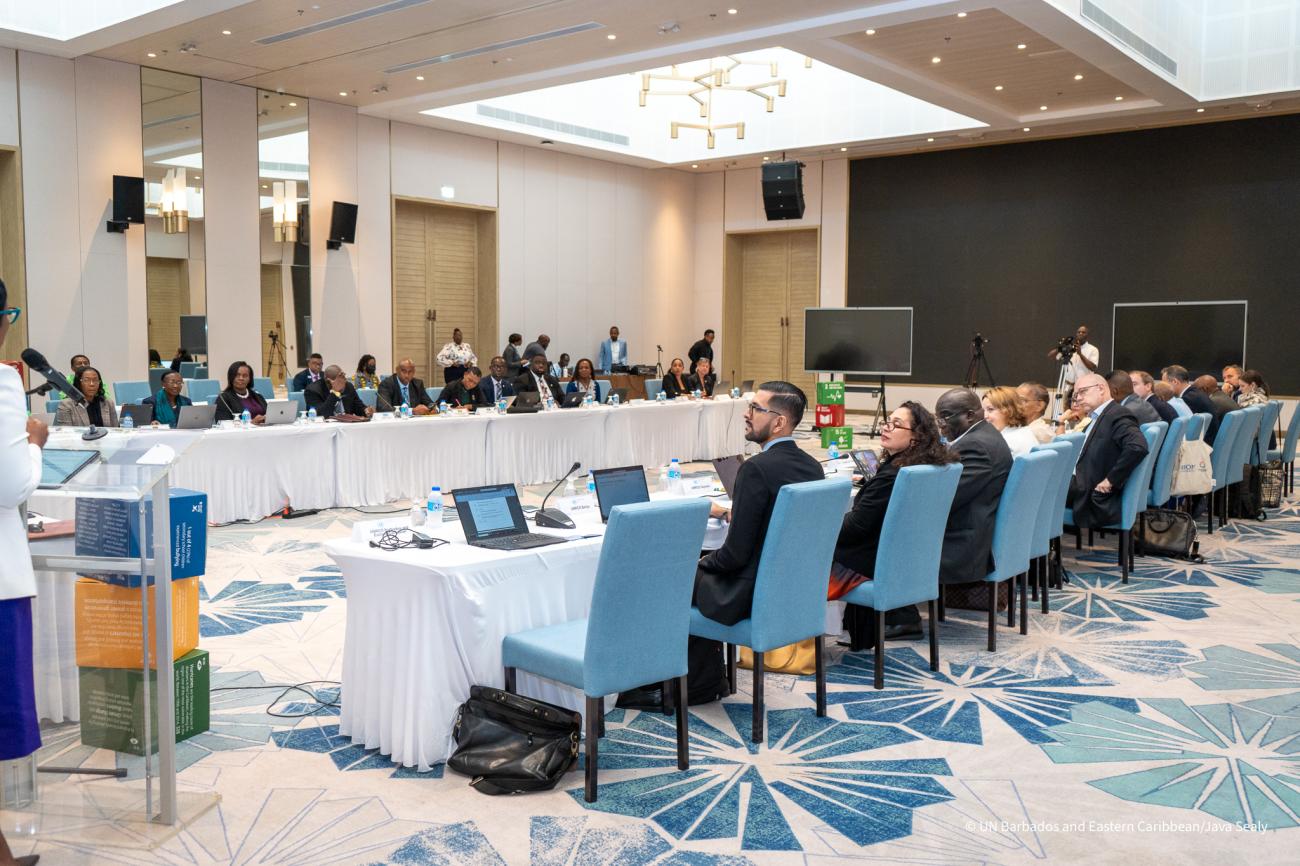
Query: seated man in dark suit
[465, 391]
[1112, 450]
[309, 375]
[334, 395]
[536, 379]
[403, 387]
[1121, 391]
[1181, 381]
[967, 555]
[1221, 400]
[724, 581]
[1144, 387]
[496, 386]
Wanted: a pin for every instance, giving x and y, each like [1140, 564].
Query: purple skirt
[20, 732]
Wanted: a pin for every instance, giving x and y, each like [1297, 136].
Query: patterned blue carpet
[1154, 722]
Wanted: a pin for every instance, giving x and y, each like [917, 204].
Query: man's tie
[496, 387]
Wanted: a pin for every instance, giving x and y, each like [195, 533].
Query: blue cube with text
[111, 527]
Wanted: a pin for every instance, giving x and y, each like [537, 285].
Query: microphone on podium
[554, 518]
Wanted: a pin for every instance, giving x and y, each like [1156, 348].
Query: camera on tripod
[1066, 347]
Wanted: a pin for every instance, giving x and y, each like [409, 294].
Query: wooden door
[801, 293]
[775, 279]
[168, 298]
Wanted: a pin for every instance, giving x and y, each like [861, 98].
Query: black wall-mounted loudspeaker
[128, 203]
[783, 190]
[343, 225]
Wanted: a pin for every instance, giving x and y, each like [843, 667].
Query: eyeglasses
[1078, 391]
[891, 424]
[13, 313]
[754, 407]
[956, 413]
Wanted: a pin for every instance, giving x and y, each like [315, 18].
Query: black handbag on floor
[1164, 532]
[510, 744]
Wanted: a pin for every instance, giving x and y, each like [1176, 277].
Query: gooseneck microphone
[37, 362]
[554, 518]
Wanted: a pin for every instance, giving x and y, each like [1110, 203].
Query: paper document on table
[158, 455]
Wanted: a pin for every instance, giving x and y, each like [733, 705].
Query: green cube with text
[112, 704]
[830, 394]
[841, 436]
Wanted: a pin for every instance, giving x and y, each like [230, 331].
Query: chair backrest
[1075, 441]
[264, 386]
[52, 405]
[1292, 433]
[795, 562]
[1197, 425]
[201, 371]
[155, 378]
[203, 390]
[641, 605]
[1244, 442]
[652, 388]
[1267, 421]
[911, 538]
[1049, 514]
[1014, 525]
[1221, 451]
[130, 392]
[434, 392]
[289, 386]
[188, 368]
[300, 398]
[1162, 476]
[1137, 490]
[605, 387]
[369, 396]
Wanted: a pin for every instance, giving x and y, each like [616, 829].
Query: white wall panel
[541, 313]
[510, 252]
[52, 227]
[632, 212]
[426, 159]
[374, 249]
[231, 225]
[669, 303]
[8, 97]
[335, 305]
[709, 248]
[581, 319]
[599, 222]
[835, 232]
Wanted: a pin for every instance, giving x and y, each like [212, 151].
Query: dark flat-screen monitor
[1203, 336]
[874, 341]
[194, 334]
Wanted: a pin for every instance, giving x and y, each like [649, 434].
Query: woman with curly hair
[1002, 409]
[909, 438]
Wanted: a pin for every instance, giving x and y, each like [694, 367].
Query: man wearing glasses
[724, 582]
[1112, 450]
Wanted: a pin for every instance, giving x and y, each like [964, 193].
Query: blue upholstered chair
[188, 368]
[156, 376]
[790, 587]
[1286, 452]
[264, 386]
[652, 388]
[131, 392]
[200, 372]
[1049, 519]
[604, 387]
[369, 396]
[1075, 441]
[907, 561]
[1013, 529]
[203, 390]
[300, 398]
[434, 392]
[1221, 462]
[1197, 425]
[1267, 421]
[1242, 445]
[52, 406]
[637, 630]
[1162, 476]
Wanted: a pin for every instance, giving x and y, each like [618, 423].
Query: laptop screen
[727, 468]
[619, 487]
[487, 512]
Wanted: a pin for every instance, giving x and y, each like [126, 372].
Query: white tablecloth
[530, 449]
[390, 459]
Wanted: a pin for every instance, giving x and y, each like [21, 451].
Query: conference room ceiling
[399, 58]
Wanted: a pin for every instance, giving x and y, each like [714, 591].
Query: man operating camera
[1078, 356]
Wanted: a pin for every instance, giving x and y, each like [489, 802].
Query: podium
[119, 722]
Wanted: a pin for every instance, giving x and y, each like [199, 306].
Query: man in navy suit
[613, 352]
[1181, 381]
[312, 374]
[497, 386]
[1144, 387]
[1113, 448]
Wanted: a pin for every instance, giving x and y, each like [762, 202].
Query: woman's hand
[259, 419]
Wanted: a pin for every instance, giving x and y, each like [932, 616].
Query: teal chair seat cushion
[1069, 517]
[553, 651]
[738, 634]
[864, 594]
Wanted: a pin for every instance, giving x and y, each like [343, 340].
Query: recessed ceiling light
[264, 186]
[419, 78]
[732, 11]
[695, 165]
[766, 158]
[343, 93]
[1022, 46]
[1042, 108]
[961, 14]
[1078, 77]
[611, 37]
[1119, 99]
[935, 59]
[999, 87]
[871, 32]
[843, 150]
[929, 139]
[1026, 129]
[151, 54]
[1200, 111]
[225, 32]
[293, 105]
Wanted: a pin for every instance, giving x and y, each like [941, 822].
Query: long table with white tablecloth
[250, 473]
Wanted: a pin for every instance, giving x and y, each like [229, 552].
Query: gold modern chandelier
[718, 77]
[174, 207]
[284, 211]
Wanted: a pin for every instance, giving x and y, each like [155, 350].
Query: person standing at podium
[21, 441]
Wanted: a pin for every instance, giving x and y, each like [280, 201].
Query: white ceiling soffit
[71, 28]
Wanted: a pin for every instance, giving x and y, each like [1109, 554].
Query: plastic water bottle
[501, 406]
[735, 392]
[591, 485]
[128, 422]
[661, 397]
[245, 419]
[405, 410]
[417, 514]
[443, 408]
[697, 393]
[588, 399]
[550, 401]
[434, 515]
[613, 399]
[675, 476]
[833, 453]
[311, 415]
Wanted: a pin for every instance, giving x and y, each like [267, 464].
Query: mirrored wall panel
[282, 155]
[171, 112]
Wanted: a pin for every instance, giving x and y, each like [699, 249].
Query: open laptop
[525, 401]
[196, 417]
[747, 386]
[573, 400]
[281, 411]
[141, 416]
[620, 393]
[492, 517]
[622, 486]
[727, 467]
[866, 462]
[723, 387]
